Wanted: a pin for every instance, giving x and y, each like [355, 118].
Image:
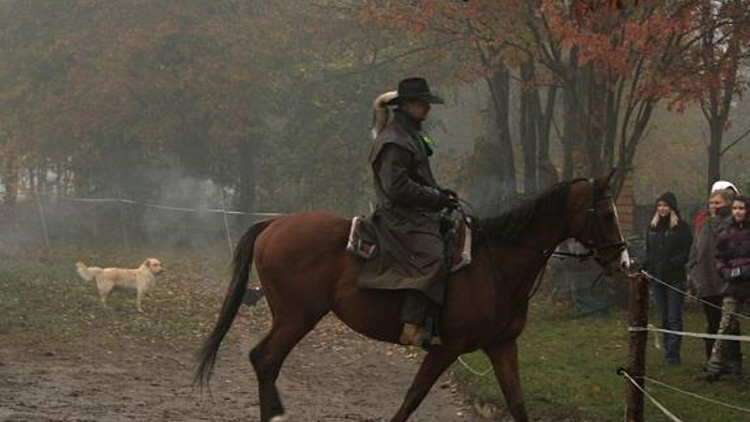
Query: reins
[592, 251]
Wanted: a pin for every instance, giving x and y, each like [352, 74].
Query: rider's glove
[731, 274]
[446, 200]
[448, 192]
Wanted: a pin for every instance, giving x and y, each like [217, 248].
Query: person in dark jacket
[406, 222]
[733, 263]
[703, 277]
[667, 250]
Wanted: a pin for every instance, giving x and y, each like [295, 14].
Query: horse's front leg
[433, 365]
[504, 358]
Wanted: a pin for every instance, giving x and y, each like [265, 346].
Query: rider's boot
[412, 334]
[416, 335]
[419, 327]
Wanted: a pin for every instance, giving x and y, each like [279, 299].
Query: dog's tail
[84, 271]
[243, 261]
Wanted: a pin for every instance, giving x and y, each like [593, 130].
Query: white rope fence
[120, 201]
[689, 334]
[161, 207]
[694, 395]
[651, 328]
[660, 406]
[688, 295]
[666, 411]
[472, 370]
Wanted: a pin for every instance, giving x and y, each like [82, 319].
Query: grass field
[48, 299]
[568, 368]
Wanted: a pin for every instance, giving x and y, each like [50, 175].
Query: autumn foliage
[613, 60]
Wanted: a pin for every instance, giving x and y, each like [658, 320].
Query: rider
[407, 218]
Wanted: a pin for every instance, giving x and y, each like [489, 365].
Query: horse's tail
[243, 262]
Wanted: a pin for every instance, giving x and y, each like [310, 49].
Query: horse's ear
[608, 178]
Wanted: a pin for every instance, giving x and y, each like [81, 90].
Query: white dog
[139, 279]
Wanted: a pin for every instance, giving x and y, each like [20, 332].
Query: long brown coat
[702, 265]
[406, 221]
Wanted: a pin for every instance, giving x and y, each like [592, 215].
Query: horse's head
[595, 224]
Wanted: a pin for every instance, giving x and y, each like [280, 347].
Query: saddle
[455, 228]
[458, 240]
[361, 242]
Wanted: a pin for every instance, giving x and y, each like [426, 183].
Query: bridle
[596, 251]
[593, 250]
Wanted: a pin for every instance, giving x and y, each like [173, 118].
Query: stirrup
[415, 335]
[356, 245]
[431, 337]
[412, 334]
[431, 341]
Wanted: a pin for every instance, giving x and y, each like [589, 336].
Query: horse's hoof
[278, 418]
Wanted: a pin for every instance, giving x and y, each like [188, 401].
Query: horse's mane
[510, 225]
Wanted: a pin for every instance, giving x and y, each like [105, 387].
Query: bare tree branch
[735, 142]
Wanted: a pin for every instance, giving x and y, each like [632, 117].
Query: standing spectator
[704, 277]
[733, 263]
[703, 215]
[667, 250]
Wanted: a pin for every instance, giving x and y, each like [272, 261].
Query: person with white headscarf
[703, 276]
[703, 215]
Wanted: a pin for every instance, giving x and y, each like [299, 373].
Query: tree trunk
[545, 122]
[629, 142]
[610, 134]
[574, 154]
[499, 85]
[714, 153]
[547, 171]
[568, 138]
[574, 164]
[247, 177]
[528, 129]
[595, 122]
[10, 177]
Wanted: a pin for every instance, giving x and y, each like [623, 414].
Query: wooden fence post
[226, 223]
[637, 340]
[122, 223]
[43, 219]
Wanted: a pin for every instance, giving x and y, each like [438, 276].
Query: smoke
[176, 210]
[196, 228]
[15, 240]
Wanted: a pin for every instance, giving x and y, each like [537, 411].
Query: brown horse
[306, 274]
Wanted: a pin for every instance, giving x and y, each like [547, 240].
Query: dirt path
[111, 375]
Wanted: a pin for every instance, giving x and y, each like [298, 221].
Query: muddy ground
[63, 357]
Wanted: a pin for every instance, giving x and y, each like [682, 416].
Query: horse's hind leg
[433, 365]
[504, 357]
[267, 358]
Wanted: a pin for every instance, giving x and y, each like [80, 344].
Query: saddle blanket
[363, 245]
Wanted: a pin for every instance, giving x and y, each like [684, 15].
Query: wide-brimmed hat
[415, 88]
